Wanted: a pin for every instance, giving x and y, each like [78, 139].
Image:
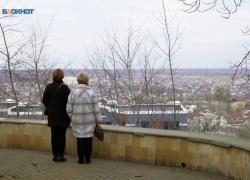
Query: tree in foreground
[11, 50]
[226, 8]
[125, 68]
[169, 50]
[130, 64]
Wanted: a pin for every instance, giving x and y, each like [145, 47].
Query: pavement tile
[28, 165]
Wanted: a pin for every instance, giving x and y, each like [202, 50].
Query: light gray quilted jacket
[83, 110]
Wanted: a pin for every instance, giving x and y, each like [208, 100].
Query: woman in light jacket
[84, 111]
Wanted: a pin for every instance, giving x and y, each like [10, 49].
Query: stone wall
[227, 156]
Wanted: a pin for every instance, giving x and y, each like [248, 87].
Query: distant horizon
[133, 68]
[179, 72]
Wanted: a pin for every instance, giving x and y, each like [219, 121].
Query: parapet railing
[223, 155]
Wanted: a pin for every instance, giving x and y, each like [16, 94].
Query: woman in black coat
[58, 119]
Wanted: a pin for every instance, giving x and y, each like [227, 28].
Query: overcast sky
[209, 40]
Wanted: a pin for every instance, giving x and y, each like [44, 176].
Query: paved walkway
[25, 164]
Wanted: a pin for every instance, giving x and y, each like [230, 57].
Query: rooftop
[27, 164]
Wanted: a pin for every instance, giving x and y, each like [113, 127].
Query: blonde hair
[83, 78]
[58, 74]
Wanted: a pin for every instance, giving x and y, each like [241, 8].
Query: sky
[209, 41]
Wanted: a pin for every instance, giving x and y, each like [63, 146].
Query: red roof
[195, 114]
[233, 116]
[247, 114]
[247, 108]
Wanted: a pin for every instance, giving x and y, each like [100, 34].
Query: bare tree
[226, 7]
[218, 101]
[127, 59]
[12, 52]
[241, 67]
[126, 68]
[27, 47]
[172, 38]
[40, 59]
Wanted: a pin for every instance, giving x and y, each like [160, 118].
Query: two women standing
[82, 109]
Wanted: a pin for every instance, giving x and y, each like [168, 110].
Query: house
[234, 118]
[246, 110]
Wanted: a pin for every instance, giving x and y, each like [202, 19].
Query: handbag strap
[82, 92]
[55, 94]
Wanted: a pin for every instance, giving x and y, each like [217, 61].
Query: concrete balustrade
[223, 155]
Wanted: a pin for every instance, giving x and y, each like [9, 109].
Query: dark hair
[58, 74]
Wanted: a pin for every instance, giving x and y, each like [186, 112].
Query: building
[160, 116]
[26, 111]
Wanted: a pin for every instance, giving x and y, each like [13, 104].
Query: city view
[206, 100]
[128, 89]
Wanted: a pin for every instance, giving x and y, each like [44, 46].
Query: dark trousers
[84, 148]
[58, 140]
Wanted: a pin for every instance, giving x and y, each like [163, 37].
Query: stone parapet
[223, 155]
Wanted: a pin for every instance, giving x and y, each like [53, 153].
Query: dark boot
[80, 162]
[61, 159]
[87, 162]
[55, 158]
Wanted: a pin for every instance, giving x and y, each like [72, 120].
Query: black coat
[57, 116]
